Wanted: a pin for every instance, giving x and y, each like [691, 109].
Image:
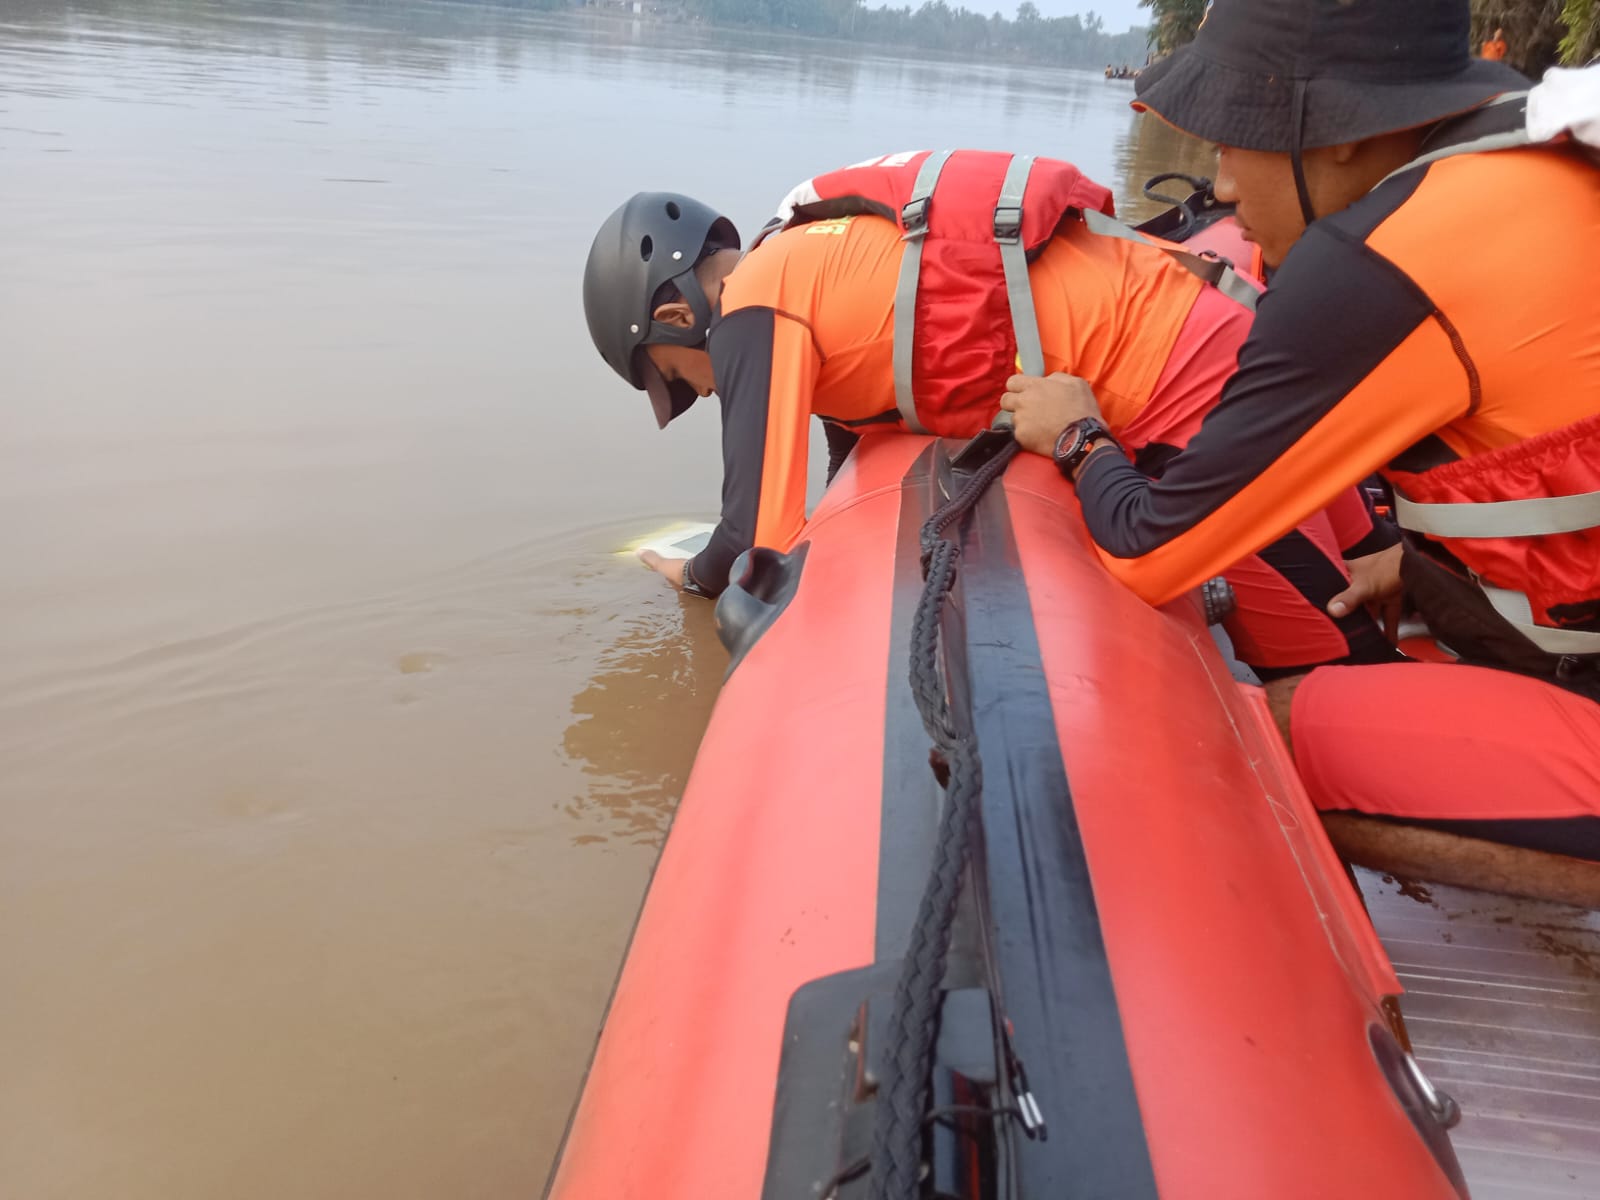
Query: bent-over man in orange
[805, 325]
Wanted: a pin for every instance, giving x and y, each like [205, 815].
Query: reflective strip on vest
[1515, 608]
[915, 218]
[1014, 258]
[1509, 139]
[1212, 270]
[1494, 141]
[1512, 519]
[1501, 518]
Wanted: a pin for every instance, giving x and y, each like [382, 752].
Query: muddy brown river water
[336, 739]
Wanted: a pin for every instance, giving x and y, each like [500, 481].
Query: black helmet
[655, 238]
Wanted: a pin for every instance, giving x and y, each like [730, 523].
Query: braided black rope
[896, 1160]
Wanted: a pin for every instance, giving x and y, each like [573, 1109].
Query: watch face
[1065, 441]
[1077, 441]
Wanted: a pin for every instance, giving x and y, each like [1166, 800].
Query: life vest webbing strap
[1512, 519]
[1518, 612]
[914, 216]
[1501, 518]
[1492, 141]
[1500, 139]
[1014, 258]
[1212, 270]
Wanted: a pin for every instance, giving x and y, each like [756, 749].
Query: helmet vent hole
[673, 210]
[646, 248]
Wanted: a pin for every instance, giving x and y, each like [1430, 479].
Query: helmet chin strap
[694, 295]
[1298, 120]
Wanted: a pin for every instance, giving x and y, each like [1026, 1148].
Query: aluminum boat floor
[1502, 1003]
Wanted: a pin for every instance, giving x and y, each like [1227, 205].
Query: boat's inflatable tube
[1183, 968]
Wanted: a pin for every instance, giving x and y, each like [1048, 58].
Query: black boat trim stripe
[909, 818]
[1052, 961]
[1051, 955]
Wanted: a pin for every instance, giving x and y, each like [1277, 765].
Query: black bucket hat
[1291, 75]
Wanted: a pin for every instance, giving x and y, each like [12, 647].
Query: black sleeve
[1335, 312]
[741, 360]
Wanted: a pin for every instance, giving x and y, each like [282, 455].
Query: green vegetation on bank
[1173, 22]
[1540, 33]
[1581, 43]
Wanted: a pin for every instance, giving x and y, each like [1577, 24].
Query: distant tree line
[1028, 37]
[934, 25]
[1540, 33]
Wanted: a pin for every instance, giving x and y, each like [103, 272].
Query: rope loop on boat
[902, 1107]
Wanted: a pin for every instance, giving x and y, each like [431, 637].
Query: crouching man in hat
[1436, 318]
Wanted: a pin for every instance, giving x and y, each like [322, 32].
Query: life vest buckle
[914, 217]
[1575, 666]
[1008, 223]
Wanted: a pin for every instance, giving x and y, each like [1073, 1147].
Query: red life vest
[968, 235]
[1525, 521]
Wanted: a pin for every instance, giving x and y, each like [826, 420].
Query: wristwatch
[691, 585]
[1077, 441]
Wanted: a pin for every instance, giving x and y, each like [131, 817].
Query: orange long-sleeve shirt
[1412, 329]
[806, 327]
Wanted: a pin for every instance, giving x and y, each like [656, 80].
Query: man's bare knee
[1280, 699]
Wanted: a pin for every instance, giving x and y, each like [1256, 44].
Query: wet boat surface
[1502, 1003]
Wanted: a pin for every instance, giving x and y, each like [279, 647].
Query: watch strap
[1077, 441]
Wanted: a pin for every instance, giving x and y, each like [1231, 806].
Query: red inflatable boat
[1160, 982]
[1186, 976]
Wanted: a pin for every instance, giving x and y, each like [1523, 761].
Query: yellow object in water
[681, 539]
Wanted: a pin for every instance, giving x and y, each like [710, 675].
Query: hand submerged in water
[1044, 406]
[670, 569]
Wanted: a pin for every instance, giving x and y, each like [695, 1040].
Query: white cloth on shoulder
[1566, 100]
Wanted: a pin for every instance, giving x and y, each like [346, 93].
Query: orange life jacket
[1524, 520]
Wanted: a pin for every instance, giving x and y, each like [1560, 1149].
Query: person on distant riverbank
[1435, 318]
[808, 324]
[1494, 48]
